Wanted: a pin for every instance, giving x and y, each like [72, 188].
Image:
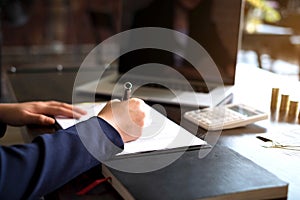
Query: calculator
[225, 116]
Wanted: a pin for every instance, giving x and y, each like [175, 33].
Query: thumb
[33, 118]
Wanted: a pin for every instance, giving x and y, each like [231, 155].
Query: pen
[127, 92]
[92, 186]
[264, 139]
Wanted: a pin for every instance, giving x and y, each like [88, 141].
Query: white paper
[92, 110]
[159, 133]
[287, 141]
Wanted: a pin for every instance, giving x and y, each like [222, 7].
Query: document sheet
[159, 132]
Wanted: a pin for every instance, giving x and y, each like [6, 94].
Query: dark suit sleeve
[32, 170]
[2, 129]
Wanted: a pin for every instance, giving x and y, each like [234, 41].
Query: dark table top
[253, 87]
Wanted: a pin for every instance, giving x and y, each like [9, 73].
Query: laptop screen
[214, 24]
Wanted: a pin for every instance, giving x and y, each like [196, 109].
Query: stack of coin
[284, 102]
[293, 109]
[274, 99]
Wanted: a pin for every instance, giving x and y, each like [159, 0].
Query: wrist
[112, 133]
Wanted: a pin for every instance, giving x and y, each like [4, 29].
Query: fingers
[39, 119]
[137, 111]
[127, 117]
[36, 112]
[66, 106]
[58, 108]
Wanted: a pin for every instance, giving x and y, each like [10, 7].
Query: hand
[127, 117]
[18, 114]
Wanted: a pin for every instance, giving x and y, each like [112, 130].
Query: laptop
[180, 73]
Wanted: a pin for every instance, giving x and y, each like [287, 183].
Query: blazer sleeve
[2, 129]
[32, 170]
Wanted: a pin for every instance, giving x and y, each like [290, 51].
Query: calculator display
[242, 111]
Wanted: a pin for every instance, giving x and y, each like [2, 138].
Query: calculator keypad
[214, 118]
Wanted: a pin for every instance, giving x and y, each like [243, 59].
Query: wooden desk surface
[253, 87]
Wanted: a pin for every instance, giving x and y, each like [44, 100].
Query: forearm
[5, 112]
[33, 170]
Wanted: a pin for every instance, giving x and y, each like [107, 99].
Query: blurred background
[49, 35]
[38, 33]
[54, 31]
[271, 33]
[58, 34]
